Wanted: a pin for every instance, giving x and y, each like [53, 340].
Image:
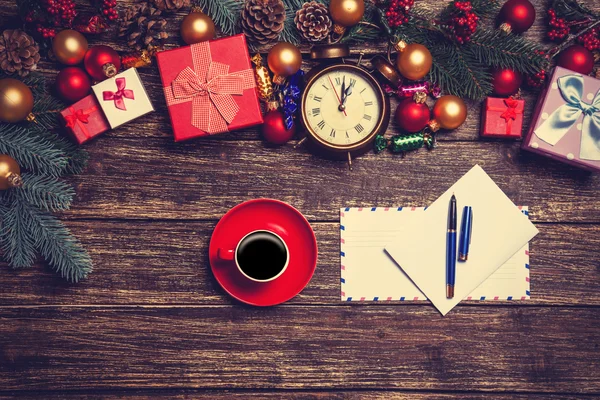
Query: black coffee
[261, 255]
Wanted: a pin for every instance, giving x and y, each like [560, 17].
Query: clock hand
[341, 107]
[343, 90]
[348, 93]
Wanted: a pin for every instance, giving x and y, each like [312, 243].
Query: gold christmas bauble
[414, 61]
[346, 13]
[69, 47]
[284, 59]
[450, 112]
[16, 100]
[10, 172]
[197, 27]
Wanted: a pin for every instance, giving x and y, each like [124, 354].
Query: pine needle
[31, 152]
[58, 246]
[16, 235]
[224, 13]
[46, 192]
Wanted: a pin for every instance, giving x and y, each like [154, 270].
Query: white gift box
[123, 98]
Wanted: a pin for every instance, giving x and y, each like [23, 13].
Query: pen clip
[471, 230]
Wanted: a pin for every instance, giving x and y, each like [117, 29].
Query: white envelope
[499, 231]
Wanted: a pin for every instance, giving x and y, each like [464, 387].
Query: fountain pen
[451, 249]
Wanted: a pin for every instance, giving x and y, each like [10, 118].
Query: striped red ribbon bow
[210, 88]
[119, 94]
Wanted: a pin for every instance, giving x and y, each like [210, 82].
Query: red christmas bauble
[576, 58]
[101, 62]
[412, 116]
[518, 15]
[506, 81]
[72, 84]
[273, 128]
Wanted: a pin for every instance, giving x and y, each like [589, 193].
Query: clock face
[343, 106]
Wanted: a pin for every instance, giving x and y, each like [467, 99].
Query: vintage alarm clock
[343, 107]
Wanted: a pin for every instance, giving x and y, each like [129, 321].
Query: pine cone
[171, 5]
[313, 21]
[142, 25]
[262, 20]
[18, 52]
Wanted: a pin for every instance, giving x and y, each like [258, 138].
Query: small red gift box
[502, 118]
[85, 120]
[209, 87]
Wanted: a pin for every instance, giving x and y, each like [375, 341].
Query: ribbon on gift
[564, 117]
[509, 114]
[210, 88]
[119, 95]
[79, 117]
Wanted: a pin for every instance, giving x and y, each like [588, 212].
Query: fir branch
[485, 8]
[225, 13]
[76, 155]
[31, 152]
[16, 236]
[290, 32]
[572, 10]
[57, 245]
[497, 49]
[46, 192]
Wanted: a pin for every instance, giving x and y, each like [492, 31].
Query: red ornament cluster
[397, 12]
[463, 22]
[62, 12]
[558, 26]
[591, 39]
[109, 9]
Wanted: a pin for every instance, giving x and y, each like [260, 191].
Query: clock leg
[350, 161]
[300, 142]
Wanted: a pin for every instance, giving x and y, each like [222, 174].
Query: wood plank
[281, 395]
[162, 263]
[484, 349]
[156, 178]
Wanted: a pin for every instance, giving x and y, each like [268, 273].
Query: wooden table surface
[152, 321]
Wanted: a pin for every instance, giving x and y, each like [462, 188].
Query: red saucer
[280, 218]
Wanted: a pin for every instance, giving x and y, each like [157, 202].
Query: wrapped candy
[410, 89]
[414, 141]
[139, 59]
[264, 85]
[403, 143]
[291, 92]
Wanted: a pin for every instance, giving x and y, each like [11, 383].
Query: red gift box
[85, 120]
[209, 87]
[502, 118]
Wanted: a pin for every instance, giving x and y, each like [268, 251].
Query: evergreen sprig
[224, 13]
[27, 225]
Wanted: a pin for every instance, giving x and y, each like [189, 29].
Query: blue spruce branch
[31, 152]
[46, 192]
[16, 238]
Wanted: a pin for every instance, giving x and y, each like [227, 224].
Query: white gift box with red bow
[123, 98]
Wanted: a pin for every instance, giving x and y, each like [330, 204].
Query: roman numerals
[316, 111]
[317, 98]
[366, 116]
[361, 92]
[338, 81]
[359, 128]
[321, 124]
[332, 134]
[368, 103]
[352, 81]
[326, 88]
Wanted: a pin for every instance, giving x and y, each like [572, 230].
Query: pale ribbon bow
[119, 95]
[564, 117]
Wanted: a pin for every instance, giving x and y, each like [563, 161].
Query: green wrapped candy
[414, 141]
[380, 143]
